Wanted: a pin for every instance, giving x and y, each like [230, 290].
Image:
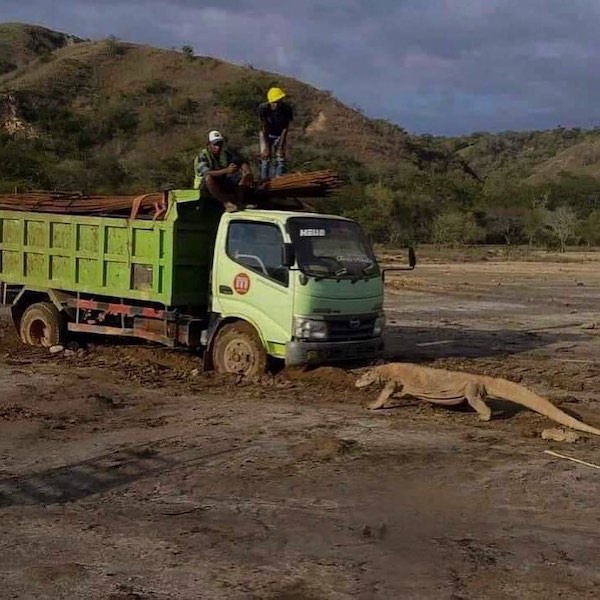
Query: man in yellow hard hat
[275, 117]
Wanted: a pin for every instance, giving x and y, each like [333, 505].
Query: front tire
[41, 325]
[238, 349]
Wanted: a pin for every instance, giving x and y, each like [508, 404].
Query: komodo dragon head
[368, 378]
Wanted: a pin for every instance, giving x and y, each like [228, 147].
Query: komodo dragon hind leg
[475, 395]
[389, 389]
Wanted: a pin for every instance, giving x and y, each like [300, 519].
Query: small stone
[70, 353]
[589, 326]
[558, 434]
[56, 349]
[194, 372]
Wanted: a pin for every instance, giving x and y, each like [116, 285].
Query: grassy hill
[151, 109]
[110, 116]
[20, 44]
[533, 156]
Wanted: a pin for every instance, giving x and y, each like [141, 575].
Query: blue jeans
[272, 144]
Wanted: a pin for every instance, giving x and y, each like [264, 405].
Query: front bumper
[311, 353]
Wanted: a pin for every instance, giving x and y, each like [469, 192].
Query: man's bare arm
[281, 149]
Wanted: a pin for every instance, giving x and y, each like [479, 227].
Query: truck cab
[309, 285]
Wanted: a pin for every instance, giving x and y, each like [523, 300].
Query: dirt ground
[127, 474]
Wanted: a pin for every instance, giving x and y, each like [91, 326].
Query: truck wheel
[238, 349]
[41, 325]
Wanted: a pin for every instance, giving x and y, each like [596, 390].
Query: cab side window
[259, 247]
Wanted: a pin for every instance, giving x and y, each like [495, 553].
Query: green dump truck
[242, 287]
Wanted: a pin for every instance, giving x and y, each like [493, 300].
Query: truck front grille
[348, 329]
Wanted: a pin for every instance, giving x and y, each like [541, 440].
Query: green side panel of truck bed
[167, 261]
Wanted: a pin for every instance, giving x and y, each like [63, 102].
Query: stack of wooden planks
[77, 204]
[282, 192]
[314, 184]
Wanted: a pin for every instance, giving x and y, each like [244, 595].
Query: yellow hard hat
[275, 94]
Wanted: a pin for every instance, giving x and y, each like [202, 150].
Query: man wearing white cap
[220, 173]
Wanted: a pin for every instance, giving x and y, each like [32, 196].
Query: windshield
[332, 248]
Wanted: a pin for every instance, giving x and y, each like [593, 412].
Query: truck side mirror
[412, 262]
[289, 255]
[412, 258]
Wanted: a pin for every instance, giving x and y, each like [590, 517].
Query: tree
[534, 219]
[506, 221]
[455, 227]
[588, 229]
[188, 52]
[381, 197]
[562, 223]
[113, 48]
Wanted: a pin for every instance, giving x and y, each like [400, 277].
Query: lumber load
[284, 193]
[69, 203]
[315, 184]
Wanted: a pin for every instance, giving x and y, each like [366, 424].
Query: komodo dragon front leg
[390, 388]
[475, 394]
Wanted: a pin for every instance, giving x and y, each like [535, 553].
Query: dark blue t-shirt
[276, 120]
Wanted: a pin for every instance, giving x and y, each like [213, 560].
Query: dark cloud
[440, 66]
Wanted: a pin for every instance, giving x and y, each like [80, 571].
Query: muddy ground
[126, 474]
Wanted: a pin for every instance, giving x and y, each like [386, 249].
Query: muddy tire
[41, 325]
[238, 349]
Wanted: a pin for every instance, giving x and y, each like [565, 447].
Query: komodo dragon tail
[508, 390]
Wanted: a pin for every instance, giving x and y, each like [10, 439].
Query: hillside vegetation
[21, 44]
[110, 116]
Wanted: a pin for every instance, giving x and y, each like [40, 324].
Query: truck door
[251, 282]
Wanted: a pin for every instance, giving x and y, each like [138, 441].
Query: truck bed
[165, 261]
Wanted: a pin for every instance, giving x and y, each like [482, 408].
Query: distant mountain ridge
[533, 156]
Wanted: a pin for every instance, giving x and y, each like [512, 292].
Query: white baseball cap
[215, 136]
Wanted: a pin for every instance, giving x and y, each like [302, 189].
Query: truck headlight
[379, 324]
[309, 329]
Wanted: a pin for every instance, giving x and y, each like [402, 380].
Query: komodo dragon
[453, 387]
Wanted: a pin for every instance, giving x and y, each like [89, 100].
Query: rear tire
[238, 349]
[41, 325]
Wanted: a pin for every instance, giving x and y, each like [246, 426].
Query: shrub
[188, 52]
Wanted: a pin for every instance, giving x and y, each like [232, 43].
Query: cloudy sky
[432, 66]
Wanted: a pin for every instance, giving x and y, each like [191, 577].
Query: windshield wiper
[369, 268]
[341, 270]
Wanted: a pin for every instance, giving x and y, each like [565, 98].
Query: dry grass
[582, 158]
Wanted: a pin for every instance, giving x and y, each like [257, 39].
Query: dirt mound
[323, 447]
[330, 376]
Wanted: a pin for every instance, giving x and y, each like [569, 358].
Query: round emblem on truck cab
[241, 283]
